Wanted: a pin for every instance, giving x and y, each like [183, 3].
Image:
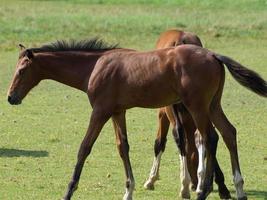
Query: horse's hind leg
[210, 139]
[219, 179]
[201, 161]
[228, 133]
[123, 147]
[97, 121]
[159, 148]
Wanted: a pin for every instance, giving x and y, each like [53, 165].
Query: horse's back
[174, 37]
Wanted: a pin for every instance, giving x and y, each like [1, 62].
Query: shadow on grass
[22, 153]
[258, 194]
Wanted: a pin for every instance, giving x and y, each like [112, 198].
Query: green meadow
[40, 138]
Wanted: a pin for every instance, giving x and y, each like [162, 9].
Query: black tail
[178, 130]
[244, 76]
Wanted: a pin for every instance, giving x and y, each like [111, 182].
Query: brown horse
[118, 79]
[192, 169]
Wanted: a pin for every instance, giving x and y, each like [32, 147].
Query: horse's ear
[22, 47]
[29, 53]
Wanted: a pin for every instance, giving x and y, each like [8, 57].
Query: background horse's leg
[159, 148]
[179, 137]
[123, 147]
[191, 150]
[97, 121]
[228, 133]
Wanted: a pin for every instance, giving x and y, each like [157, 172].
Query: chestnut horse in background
[192, 165]
[118, 79]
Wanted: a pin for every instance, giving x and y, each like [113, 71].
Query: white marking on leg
[129, 190]
[238, 181]
[185, 178]
[154, 173]
[201, 170]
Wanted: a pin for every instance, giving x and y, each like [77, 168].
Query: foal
[118, 79]
[190, 168]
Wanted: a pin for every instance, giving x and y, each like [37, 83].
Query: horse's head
[25, 77]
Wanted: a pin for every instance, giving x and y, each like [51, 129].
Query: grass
[40, 138]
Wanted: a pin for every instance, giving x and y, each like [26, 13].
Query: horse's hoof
[126, 197]
[226, 198]
[149, 186]
[201, 197]
[225, 195]
[242, 198]
[185, 196]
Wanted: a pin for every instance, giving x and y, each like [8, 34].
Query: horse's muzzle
[14, 100]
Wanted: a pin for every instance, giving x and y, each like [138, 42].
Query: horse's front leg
[159, 148]
[97, 121]
[123, 147]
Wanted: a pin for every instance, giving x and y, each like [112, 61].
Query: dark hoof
[203, 195]
[224, 193]
[185, 195]
[225, 196]
[149, 186]
[242, 198]
[66, 198]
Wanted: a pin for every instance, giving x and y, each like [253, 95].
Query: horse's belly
[152, 97]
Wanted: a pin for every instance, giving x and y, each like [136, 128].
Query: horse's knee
[123, 148]
[159, 145]
[130, 184]
[84, 151]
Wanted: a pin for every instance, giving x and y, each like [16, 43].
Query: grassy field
[40, 138]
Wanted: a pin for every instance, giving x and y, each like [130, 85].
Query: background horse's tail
[244, 76]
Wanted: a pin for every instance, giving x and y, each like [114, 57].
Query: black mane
[73, 45]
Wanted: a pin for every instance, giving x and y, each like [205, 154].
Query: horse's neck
[72, 69]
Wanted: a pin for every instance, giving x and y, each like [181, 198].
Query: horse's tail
[178, 130]
[244, 76]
